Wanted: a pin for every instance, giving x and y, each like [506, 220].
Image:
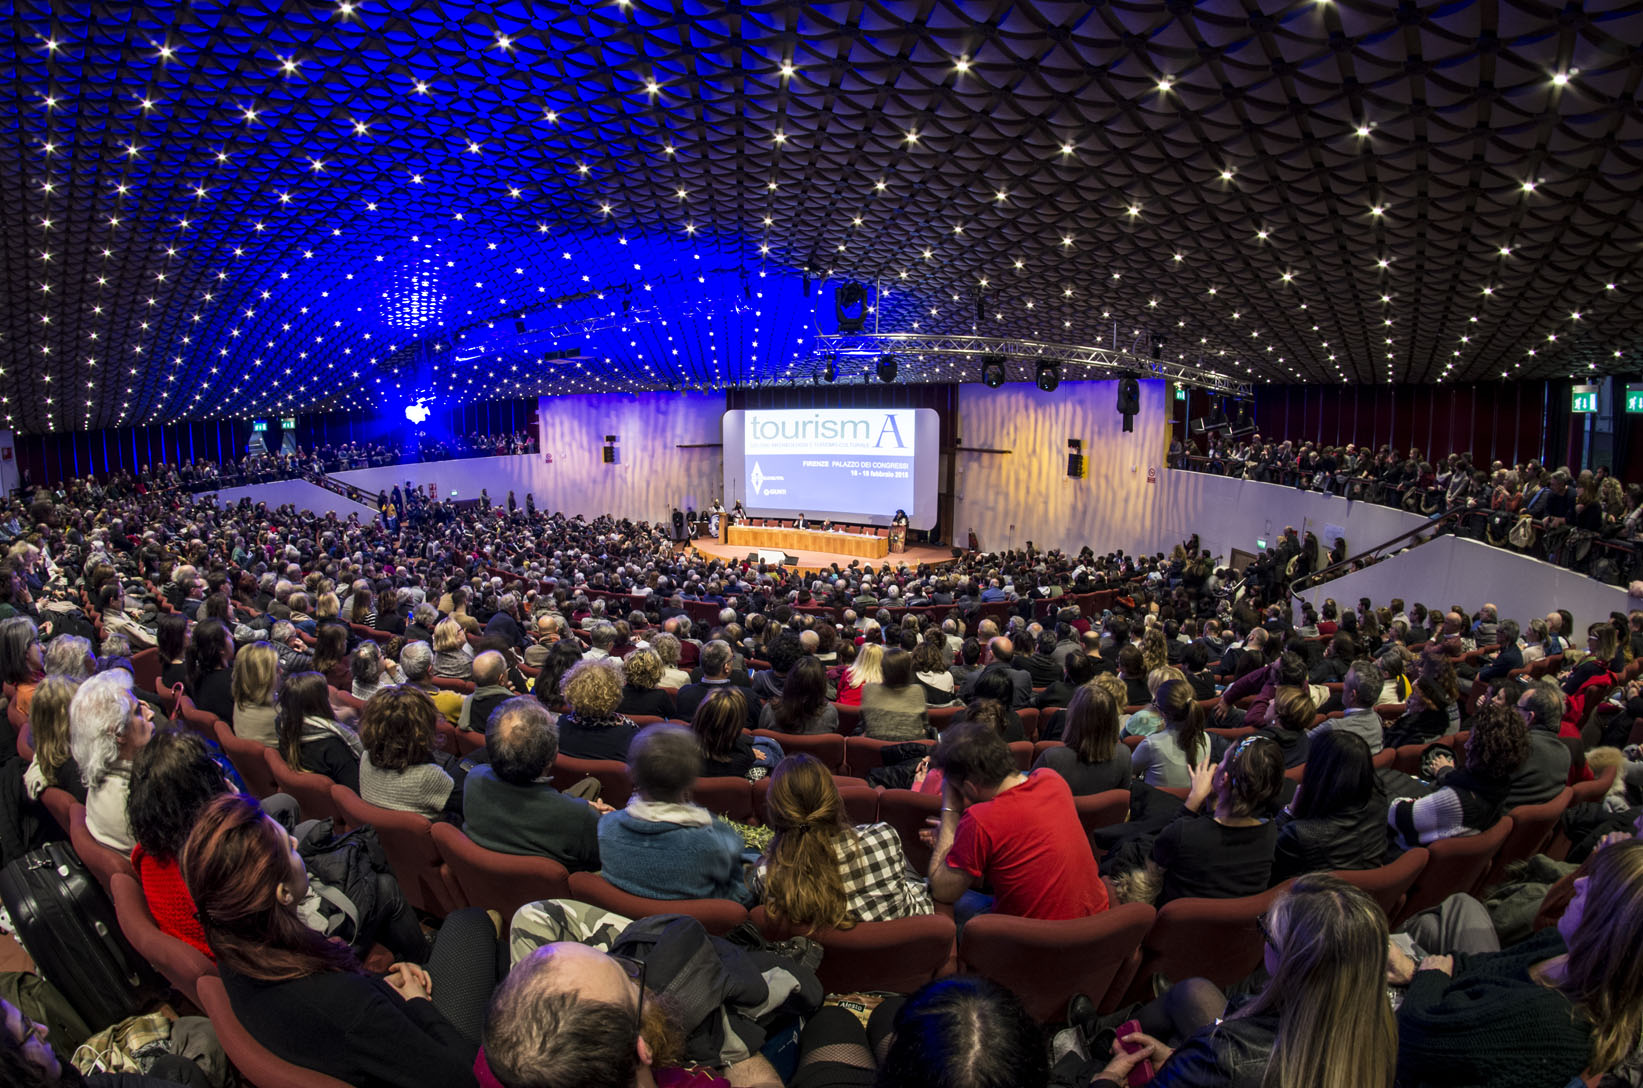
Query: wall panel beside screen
[848, 465]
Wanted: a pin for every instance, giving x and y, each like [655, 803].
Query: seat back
[1046, 962]
[730, 797]
[1388, 884]
[615, 787]
[1454, 865]
[718, 916]
[312, 791]
[453, 683]
[1030, 722]
[907, 811]
[248, 758]
[828, 748]
[1217, 939]
[105, 862]
[849, 719]
[256, 1063]
[863, 754]
[899, 955]
[1098, 810]
[497, 881]
[202, 722]
[180, 962]
[861, 802]
[408, 840]
[1022, 750]
[1532, 827]
[145, 669]
[60, 803]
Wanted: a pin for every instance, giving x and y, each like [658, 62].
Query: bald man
[1001, 653]
[570, 1014]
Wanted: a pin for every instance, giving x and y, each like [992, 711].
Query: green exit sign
[1634, 398]
[1180, 392]
[259, 425]
[1583, 398]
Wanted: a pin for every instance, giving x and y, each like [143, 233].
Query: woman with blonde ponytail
[1322, 1021]
[821, 873]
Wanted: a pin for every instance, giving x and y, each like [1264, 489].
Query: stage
[810, 562]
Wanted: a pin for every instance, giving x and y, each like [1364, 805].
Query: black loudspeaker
[790, 560]
[610, 438]
[610, 455]
[752, 557]
[1076, 466]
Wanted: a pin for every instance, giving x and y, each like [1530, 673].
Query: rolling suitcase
[67, 924]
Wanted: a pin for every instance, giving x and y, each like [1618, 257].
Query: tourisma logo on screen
[820, 439]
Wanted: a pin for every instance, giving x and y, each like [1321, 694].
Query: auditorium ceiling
[251, 208]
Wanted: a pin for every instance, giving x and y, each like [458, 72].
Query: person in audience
[1423, 718]
[371, 671]
[992, 705]
[1195, 666]
[1563, 1006]
[671, 651]
[1359, 692]
[1077, 670]
[1147, 720]
[1002, 654]
[305, 997]
[1321, 1021]
[54, 765]
[255, 681]
[28, 1059]
[71, 656]
[416, 662]
[453, 657]
[803, 706]
[107, 727]
[331, 656]
[727, 751]
[1291, 714]
[398, 769]
[1166, 758]
[591, 728]
[866, 669]
[1471, 798]
[570, 1014]
[894, 708]
[1042, 667]
[1545, 768]
[1091, 758]
[1337, 819]
[311, 738]
[1507, 655]
[1132, 669]
[490, 691]
[509, 804]
[819, 872]
[784, 652]
[717, 669]
[1225, 852]
[1603, 658]
[663, 846]
[208, 662]
[931, 672]
[1017, 834]
[171, 636]
[642, 672]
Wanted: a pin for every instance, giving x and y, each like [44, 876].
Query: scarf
[315, 727]
[669, 812]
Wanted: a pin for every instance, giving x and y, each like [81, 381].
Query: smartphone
[1143, 1072]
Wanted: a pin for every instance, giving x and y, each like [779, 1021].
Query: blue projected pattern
[266, 207]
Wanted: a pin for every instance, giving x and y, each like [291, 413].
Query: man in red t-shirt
[1018, 835]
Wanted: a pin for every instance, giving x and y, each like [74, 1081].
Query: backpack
[1523, 533]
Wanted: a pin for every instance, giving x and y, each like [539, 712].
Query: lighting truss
[1096, 363]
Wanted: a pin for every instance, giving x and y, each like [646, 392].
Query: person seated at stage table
[801, 523]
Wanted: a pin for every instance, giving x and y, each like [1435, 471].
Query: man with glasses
[571, 1014]
[1544, 774]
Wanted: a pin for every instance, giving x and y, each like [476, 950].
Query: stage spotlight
[994, 372]
[1158, 347]
[850, 306]
[1049, 376]
[887, 367]
[1129, 400]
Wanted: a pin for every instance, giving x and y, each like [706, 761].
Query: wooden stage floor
[813, 561]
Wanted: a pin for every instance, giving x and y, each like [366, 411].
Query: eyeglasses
[635, 970]
[1266, 932]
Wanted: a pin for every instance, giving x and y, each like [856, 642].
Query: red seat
[1454, 865]
[1388, 884]
[497, 881]
[1217, 939]
[725, 796]
[256, 1063]
[105, 862]
[1029, 722]
[453, 683]
[202, 722]
[248, 758]
[719, 916]
[907, 811]
[614, 785]
[1098, 810]
[849, 719]
[1532, 828]
[60, 803]
[899, 955]
[827, 748]
[1045, 963]
[1408, 757]
[312, 791]
[347, 699]
[1385, 758]
[25, 743]
[1023, 752]
[145, 669]
[1587, 792]
[863, 754]
[861, 802]
[180, 962]
[408, 840]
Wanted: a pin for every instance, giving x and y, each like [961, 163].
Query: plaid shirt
[878, 886]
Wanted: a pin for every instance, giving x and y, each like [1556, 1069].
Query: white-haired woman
[107, 726]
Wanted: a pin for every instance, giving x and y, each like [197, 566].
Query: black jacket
[1354, 839]
[1231, 1054]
